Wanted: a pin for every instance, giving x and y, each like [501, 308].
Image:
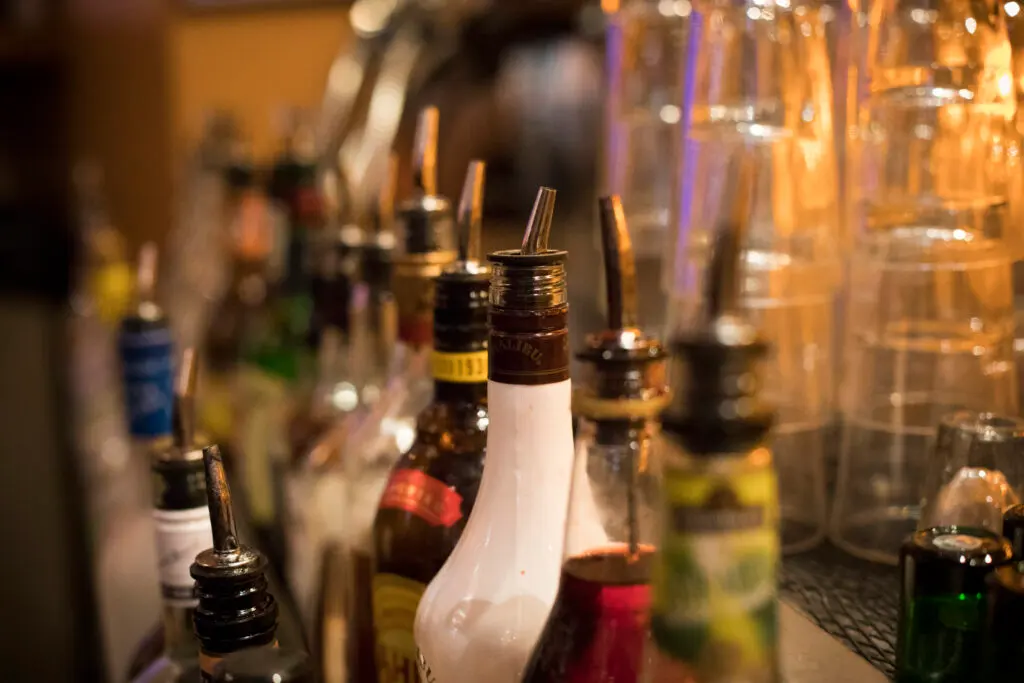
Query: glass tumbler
[975, 473]
[761, 88]
[929, 303]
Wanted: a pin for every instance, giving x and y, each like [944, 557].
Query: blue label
[148, 367]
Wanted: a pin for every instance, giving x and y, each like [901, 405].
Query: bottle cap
[265, 665]
[533, 276]
[626, 366]
[718, 405]
[424, 221]
[235, 610]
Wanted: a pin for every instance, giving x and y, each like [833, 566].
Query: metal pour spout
[535, 241]
[471, 208]
[218, 496]
[145, 274]
[183, 416]
[425, 151]
[725, 285]
[619, 265]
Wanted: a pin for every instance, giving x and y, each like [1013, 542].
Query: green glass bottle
[715, 608]
[943, 571]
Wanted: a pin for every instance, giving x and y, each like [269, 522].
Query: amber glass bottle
[432, 488]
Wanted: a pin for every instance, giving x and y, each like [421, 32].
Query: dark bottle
[235, 610]
[714, 613]
[433, 486]
[265, 665]
[598, 628]
[1004, 624]
[940, 636]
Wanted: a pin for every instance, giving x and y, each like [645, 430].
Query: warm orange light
[610, 6]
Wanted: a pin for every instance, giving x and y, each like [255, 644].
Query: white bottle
[481, 615]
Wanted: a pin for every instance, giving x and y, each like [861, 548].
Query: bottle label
[395, 599]
[528, 349]
[422, 495]
[715, 606]
[180, 536]
[149, 380]
[465, 368]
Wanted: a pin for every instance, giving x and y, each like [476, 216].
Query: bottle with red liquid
[598, 628]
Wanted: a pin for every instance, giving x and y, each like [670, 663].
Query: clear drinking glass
[929, 306]
[975, 473]
[761, 87]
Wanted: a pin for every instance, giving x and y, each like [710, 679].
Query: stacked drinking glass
[932, 157]
[759, 84]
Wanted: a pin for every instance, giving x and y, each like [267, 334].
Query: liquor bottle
[334, 260]
[182, 523]
[126, 555]
[265, 665]
[483, 612]
[146, 349]
[425, 244]
[433, 486]
[235, 611]
[598, 629]
[940, 634]
[350, 383]
[1002, 633]
[714, 595]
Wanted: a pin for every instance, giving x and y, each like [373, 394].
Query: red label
[423, 496]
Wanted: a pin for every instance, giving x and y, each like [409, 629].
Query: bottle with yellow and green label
[714, 605]
[432, 488]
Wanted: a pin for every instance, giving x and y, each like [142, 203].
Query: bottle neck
[460, 393]
[180, 642]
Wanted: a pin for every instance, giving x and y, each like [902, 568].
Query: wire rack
[853, 600]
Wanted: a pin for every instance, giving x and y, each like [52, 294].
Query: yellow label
[395, 599]
[468, 368]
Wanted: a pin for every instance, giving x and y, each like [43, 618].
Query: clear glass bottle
[714, 616]
[503, 574]
[433, 487]
[425, 244]
[598, 628]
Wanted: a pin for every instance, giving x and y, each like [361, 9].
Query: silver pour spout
[218, 496]
[184, 412]
[535, 241]
[619, 265]
[425, 152]
[145, 275]
[724, 285]
[471, 209]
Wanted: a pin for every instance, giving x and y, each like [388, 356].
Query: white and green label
[715, 606]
